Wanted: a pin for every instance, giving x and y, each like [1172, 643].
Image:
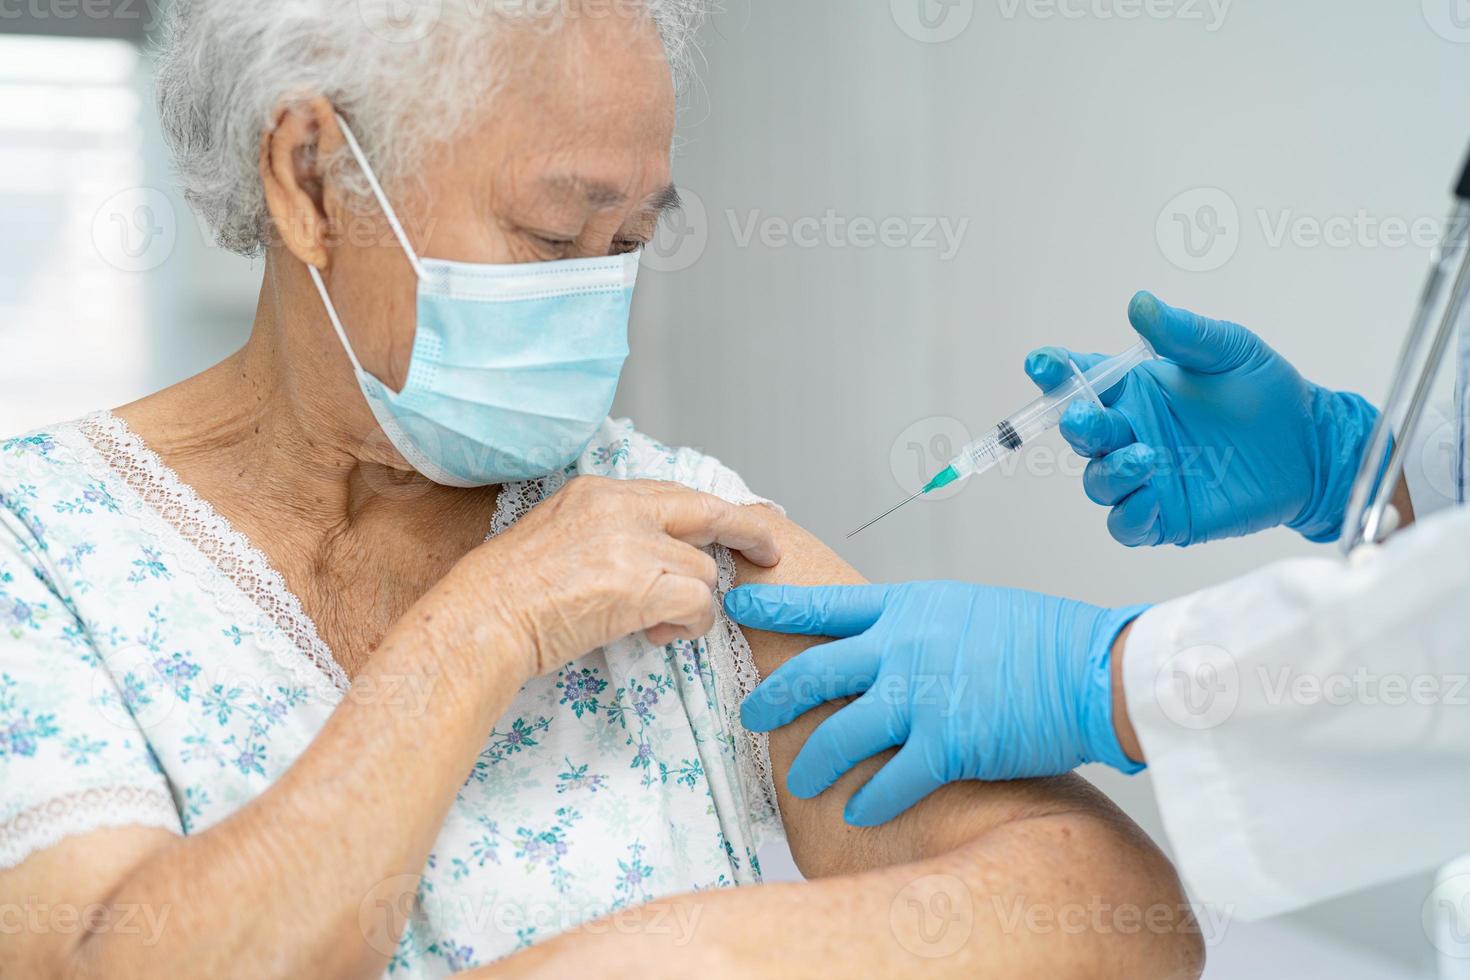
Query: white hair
[224, 66]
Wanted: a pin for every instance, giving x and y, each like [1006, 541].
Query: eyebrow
[665, 199]
[601, 195]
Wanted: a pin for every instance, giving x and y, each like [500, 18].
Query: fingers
[1094, 431]
[683, 608]
[1138, 520]
[832, 670]
[864, 728]
[1190, 340]
[1049, 367]
[1116, 475]
[684, 561]
[679, 558]
[702, 519]
[664, 634]
[904, 781]
[836, 610]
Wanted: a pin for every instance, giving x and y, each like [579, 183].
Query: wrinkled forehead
[585, 105]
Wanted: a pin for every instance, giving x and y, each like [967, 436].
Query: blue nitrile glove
[1220, 438]
[974, 682]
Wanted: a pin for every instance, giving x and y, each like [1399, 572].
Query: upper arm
[821, 840]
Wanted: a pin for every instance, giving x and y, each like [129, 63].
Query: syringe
[1020, 428]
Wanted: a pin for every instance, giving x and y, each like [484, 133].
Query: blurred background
[888, 203]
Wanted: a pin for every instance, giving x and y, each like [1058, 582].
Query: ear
[302, 134]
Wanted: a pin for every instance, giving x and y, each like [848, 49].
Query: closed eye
[553, 243]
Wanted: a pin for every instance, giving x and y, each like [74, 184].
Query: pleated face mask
[513, 367]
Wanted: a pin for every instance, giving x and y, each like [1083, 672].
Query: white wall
[1062, 141]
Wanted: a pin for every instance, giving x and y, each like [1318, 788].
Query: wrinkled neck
[279, 436]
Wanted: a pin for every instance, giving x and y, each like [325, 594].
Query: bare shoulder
[821, 839]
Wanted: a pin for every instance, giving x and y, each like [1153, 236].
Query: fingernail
[1131, 463]
[736, 603]
[751, 712]
[1143, 308]
[800, 788]
[1080, 414]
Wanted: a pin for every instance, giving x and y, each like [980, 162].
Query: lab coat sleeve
[1307, 726]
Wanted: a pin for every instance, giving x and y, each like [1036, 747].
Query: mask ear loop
[388, 212]
[321, 289]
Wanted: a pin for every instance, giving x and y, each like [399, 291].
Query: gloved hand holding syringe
[1022, 427]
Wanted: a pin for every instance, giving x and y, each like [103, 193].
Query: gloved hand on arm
[1220, 438]
[974, 682]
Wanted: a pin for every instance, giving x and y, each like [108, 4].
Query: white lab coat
[1307, 726]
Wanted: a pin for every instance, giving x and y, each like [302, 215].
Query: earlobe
[301, 135]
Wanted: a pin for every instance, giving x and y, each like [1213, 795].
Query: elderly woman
[376, 647]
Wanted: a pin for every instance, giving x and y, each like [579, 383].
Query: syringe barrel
[981, 454]
[1045, 412]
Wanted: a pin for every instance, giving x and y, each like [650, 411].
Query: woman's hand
[602, 559]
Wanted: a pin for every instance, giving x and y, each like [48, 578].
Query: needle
[890, 510]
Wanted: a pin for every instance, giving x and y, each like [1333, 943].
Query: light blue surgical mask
[513, 367]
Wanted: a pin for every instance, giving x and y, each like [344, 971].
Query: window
[76, 228]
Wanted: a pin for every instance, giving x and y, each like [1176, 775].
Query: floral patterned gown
[155, 670]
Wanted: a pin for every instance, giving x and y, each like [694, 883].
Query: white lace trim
[735, 677]
[516, 500]
[46, 824]
[161, 499]
[164, 496]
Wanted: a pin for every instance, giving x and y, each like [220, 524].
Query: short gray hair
[223, 66]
